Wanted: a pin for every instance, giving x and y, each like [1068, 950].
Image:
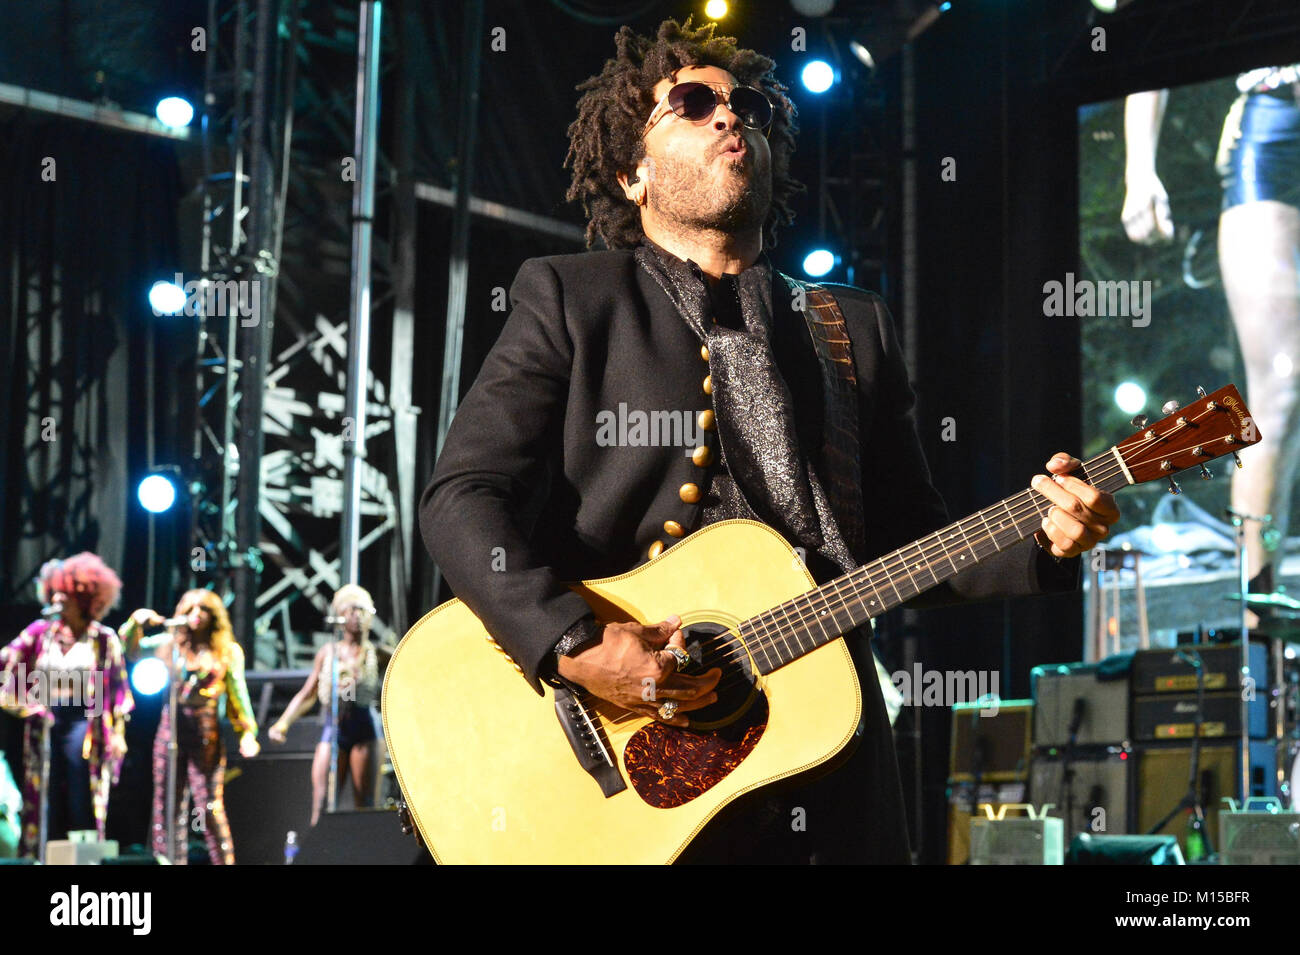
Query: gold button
[705, 419]
[704, 352]
[673, 529]
[708, 384]
[689, 493]
[702, 456]
[656, 549]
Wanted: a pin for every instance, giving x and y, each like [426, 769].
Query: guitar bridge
[589, 745]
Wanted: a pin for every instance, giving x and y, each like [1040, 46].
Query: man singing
[680, 156]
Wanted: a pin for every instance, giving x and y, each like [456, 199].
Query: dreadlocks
[605, 139]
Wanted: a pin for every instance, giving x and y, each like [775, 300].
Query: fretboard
[801, 625]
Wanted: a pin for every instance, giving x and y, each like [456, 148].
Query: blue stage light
[1130, 397]
[818, 262]
[174, 112]
[156, 493]
[149, 676]
[166, 298]
[818, 76]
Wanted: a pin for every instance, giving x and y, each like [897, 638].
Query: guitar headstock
[1208, 428]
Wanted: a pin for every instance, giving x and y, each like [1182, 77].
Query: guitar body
[489, 774]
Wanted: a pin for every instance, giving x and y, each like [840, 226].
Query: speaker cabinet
[266, 798]
[360, 837]
[996, 748]
[1162, 782]
[1061, 691]
[1100, 782]
[961, 807]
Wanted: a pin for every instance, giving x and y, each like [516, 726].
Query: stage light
[149, 676]
[1110, 6]
[818, 76]
[1165, 538]
[1130, 397]
[174, 112]
[166, 298]
[818, 262]
[863, 54]
[1282, 365]
[156, 493]
[715, 9]
[813, 8]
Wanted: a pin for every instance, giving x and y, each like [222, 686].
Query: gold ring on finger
[668, 709]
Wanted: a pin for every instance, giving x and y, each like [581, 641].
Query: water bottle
[290, 847]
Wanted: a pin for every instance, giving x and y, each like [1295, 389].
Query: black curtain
[92, 378]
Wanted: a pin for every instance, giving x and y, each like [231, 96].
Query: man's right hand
[631, 668]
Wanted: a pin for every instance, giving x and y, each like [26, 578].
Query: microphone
[176, 621]
[1076, 717]
[50, 611]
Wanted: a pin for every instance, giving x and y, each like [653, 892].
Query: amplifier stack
[1109, 744]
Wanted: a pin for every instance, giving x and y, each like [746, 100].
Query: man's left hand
[1080, 515]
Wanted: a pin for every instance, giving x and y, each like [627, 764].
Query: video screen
[1189, 238]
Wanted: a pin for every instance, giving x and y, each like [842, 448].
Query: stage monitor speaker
[360, 837]
[997, 746]
[961, 808]
[1253, 836]
[1162, 783]
[1089, 849]
[1102, 705]
[1100, 790]
[267, 798]
[1016, 840]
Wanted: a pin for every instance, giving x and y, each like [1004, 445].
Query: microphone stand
[1067, 767]
[331, 799]
[45, 788]
[173, 751]
[54, 614]
[1239, 524]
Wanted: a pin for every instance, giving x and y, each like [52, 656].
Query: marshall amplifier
[1173, 716]
[1094, 697]
[1165, 671]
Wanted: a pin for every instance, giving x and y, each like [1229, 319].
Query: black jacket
[524, 498]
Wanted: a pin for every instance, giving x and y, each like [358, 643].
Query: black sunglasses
[696, 101]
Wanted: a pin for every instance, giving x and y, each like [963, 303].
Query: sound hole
[712, 645]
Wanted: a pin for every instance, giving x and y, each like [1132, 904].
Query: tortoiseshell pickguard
[668, 767]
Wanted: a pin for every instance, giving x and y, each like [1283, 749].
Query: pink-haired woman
[67, 670]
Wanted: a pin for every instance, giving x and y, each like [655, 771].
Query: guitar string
[854, 580]
[765, 630]
[1025, 504]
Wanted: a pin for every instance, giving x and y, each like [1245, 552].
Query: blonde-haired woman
[359, 683]
[212, 669]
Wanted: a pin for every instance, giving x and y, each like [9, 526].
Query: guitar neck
[801, 625]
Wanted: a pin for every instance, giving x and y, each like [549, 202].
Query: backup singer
[359, 684]
[211, 671]
[69, 671]
[680, 155]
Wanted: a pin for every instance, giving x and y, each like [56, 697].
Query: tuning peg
[1205, 474]
[1236, 457]
[1139, 421]
[1169, 407]
[1200, 392]
[1173, 487]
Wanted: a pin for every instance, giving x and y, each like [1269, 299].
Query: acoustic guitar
[493, 773]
